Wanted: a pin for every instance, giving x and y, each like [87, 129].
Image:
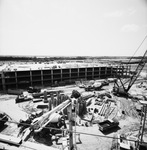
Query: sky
[73, 27]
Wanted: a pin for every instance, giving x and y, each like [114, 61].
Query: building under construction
[21, 78]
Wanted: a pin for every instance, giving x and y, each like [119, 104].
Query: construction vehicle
[107, 125]
[23, 98]
[121, 87]
[36, 125]
[97, 85]
[124, 143]
[52, 116]
[33, 89]
[93, 87]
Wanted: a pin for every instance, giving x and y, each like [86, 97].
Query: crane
[122, 88]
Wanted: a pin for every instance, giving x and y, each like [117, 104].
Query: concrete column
[86, 73]
[106, 71]
[116, 71]
[61, 74]
[99, 72]
[78, 71]
[41, 77]
[16, 80]
[92, 72]
[3, 82]
[52, 76]
[69, 74]
[122, 73]
[57, 101]
[31, 77]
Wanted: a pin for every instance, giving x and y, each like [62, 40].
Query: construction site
[72, 106]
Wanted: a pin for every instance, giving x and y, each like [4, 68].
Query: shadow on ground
[2, 127]
[44, 139]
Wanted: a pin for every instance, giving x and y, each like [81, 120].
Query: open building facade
[23, 78]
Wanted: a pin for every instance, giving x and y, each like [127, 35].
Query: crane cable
[137, 49]
[134, 55]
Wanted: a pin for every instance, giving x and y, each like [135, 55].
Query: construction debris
[48, 113]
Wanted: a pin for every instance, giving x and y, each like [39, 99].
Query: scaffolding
[142, 124]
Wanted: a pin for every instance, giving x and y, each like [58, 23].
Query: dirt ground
[128, 122]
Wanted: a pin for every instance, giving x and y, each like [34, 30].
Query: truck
[107, 125]
[96, 85]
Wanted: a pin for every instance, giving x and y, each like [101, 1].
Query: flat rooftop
[43, 66]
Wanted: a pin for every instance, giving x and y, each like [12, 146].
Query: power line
[98, 135]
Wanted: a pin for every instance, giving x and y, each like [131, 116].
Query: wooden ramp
[10, 139]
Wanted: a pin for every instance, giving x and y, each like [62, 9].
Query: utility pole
[70, 118]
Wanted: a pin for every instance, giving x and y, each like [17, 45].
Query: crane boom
[137, 71]
[122, 88]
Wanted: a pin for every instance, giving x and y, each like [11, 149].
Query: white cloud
[117, 13]
[120, 13]
[131, 11]
[144, 26]
[130, 28]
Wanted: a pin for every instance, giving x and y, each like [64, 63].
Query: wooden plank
[35, 100]
[38, 146]
[42, 106]
[26, 134]
[10, 139]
